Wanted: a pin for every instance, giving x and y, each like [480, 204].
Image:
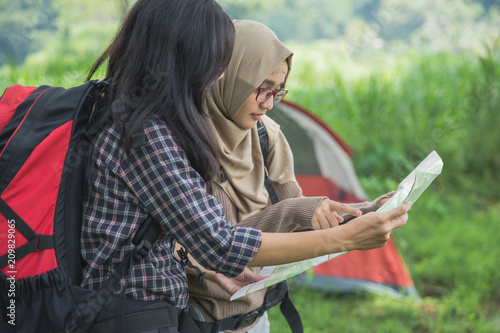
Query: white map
[409, 189]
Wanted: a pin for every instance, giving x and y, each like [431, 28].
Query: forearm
[279, 248]
[363, 233]
[283, 248]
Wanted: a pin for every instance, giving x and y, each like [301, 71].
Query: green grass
[393, 112]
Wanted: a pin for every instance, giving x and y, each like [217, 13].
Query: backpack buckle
[141, 251]
[103, 82]
[37, 246]
[249, 318]
[43, 242]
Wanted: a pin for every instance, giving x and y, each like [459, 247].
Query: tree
[20, 23]
[291, 19]
[487, 4]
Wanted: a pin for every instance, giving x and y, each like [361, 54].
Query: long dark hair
[162, 61]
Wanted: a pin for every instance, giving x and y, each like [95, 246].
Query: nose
[268, 105]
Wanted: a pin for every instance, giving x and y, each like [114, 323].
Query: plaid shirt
[156, 179]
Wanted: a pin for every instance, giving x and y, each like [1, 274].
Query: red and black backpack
[45, 139]
[45, 135]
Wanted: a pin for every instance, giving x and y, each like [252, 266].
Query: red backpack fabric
[31, 193]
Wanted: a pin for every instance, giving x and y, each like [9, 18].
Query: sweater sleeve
[290, 214]
[294, 214]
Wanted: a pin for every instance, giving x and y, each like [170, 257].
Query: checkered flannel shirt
[156, 179]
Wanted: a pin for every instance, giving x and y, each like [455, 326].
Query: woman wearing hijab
[254, 80]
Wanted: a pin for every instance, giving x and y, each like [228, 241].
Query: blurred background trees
[390, 20]
[21, 22]
[27, 26]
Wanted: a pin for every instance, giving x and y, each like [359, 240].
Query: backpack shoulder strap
[148, 233]
[264, 143]
[12, 97]
[281, 291]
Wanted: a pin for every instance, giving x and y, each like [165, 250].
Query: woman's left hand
[232, 285]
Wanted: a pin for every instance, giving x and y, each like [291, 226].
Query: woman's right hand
[373, 230]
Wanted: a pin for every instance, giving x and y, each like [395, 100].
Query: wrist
[338, 240]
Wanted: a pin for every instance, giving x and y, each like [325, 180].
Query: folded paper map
[409, 189]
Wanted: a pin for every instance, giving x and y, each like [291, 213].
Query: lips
[257, 116]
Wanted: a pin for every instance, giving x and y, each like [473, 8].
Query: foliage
[31, 25]
[407, 107]
[22, 23]
[44, 28]
[363, 24]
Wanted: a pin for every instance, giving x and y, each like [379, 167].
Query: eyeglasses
[264, 94]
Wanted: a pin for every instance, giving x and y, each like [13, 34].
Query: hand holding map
[409, 189]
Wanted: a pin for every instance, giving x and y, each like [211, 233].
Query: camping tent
[323, 167]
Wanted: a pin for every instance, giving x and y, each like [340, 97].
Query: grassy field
[393, 111]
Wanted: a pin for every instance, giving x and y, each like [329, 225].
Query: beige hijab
[257, 54]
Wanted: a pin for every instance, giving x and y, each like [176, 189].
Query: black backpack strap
[36, 242]
[289, 311]
[144, 239]
[263, 139]
[281, 291]
[276, 295]
[146, 236]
